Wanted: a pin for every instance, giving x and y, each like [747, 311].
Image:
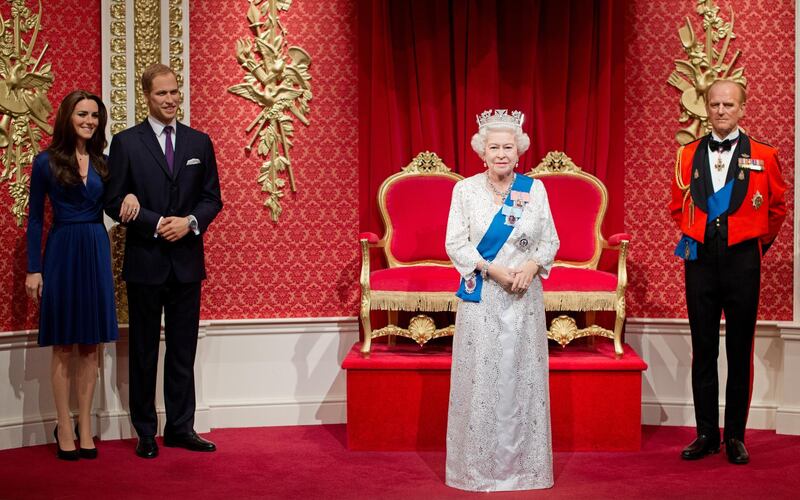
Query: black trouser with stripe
[723, 279]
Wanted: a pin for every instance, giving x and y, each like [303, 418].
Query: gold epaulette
[684, 187]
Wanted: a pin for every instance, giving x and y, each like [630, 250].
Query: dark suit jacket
[137, 165]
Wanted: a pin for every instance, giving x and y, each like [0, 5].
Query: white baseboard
[250, 372]
[681, 413]
[274, 413]
[787, 420]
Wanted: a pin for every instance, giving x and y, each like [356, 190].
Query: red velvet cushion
[418, 208]
[575, 204]
[416, 279]
[569, 279]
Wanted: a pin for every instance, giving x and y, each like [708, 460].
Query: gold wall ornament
[118, 78]
[147, 45]
[705, 64]
[277, 79]
[24, 108]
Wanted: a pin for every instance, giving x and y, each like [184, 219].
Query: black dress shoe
[189, 441]
[737, 453]
[90, 453]
[71, 455]
[700, 447]
[147, 447]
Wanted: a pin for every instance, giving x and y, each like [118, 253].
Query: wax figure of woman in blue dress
[502, 240]
[73, 279]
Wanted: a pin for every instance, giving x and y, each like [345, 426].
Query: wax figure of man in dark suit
[728, 200]
[172, 170]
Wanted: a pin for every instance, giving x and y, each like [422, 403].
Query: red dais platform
[397, 397]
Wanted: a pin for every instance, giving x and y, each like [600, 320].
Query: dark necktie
[723, 146]
[169, 152]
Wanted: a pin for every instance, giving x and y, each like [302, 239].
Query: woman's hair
[62, 148]
[479, 139]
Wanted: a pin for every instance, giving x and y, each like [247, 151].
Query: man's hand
[173, 228]
[33, 286]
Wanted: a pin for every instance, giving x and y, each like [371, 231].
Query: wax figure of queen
[502, 240]
[728, 200]
[172, 170]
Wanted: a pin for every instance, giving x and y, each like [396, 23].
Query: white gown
[498, 425]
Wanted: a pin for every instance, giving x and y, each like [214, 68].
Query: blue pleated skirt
[77, 304]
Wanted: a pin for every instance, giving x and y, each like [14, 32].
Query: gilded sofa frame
[421, 328]
[563, 329]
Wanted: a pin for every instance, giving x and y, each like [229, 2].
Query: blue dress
[77, 305]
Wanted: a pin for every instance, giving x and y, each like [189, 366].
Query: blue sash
[494, 238]
[718, 204]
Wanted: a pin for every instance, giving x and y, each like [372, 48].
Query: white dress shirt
[159, 127]
[718, 176]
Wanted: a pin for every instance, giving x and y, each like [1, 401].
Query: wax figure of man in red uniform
[728, 200]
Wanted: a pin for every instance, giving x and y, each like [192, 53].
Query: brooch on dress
[523, 243]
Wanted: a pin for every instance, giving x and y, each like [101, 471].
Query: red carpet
[313, 462]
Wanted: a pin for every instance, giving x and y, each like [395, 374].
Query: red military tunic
[760, 214]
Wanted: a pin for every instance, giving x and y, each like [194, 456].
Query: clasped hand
[173, 228]
[515, 280]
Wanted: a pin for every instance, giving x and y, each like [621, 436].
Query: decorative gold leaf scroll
[705, 63]
[277, 79]
[24, 108]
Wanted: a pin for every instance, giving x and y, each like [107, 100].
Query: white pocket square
[193, 161]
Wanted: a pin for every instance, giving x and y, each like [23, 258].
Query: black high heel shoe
[64, 455]
[90, 453]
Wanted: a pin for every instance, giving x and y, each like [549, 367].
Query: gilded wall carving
[705, 63]
[277, 79]
[25, 79]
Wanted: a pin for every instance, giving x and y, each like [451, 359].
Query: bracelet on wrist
[485, 270]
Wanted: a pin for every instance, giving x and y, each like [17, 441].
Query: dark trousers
[723, 279]
[181, 305]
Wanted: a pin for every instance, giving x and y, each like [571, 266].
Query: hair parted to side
[742, 90]
[152, 71]
[478, 141]
[63, 161]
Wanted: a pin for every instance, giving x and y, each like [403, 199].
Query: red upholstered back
[575, 203]
[417, 208]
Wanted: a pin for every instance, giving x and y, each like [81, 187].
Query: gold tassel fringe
[580, 301]
[410, 301]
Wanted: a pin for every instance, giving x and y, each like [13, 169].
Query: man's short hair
[742, 90]
[153, 71]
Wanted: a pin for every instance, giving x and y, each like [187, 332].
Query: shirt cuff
[155, 234]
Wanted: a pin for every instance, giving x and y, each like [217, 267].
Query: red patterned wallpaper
[307, 264]
[73, 32]
[765, 34]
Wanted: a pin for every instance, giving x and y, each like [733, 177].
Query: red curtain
[426, 68]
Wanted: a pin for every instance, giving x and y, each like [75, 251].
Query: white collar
[732, 136]
[158, 127]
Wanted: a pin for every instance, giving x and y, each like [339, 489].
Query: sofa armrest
[615, 239]
[372, 239]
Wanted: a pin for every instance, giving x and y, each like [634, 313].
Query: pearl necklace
[501, 194]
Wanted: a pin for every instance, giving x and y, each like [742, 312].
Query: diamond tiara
[500, 116]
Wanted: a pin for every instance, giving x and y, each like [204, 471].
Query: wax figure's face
[501, 152]
[725, 108]
[85, 118]
[164, 98]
